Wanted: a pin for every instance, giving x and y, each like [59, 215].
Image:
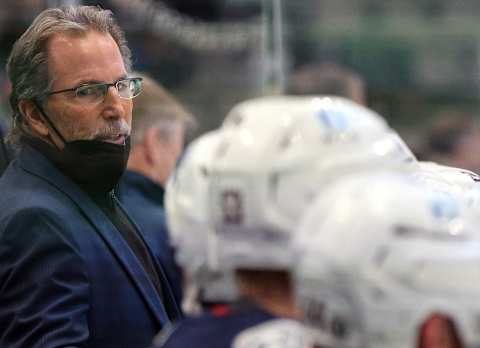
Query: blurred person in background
[407, 277]
[159, 127]
[240, 190]
[327, 79]
[207, 287]
[75, 270]
[453, 139]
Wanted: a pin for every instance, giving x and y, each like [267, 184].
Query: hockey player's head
[191, 235]
[461, 182]
[384, 261]
[243, 191]
[274, 155]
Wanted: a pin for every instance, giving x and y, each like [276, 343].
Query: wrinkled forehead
[90, 56]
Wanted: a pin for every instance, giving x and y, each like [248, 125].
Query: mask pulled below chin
[94, 165]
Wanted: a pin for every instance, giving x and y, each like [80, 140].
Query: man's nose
[112, 103]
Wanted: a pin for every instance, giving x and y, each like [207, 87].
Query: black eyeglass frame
[107, 86]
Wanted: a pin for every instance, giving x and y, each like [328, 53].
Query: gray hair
[27, 65]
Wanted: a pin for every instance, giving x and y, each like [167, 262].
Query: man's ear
[152, 145]
[439, 331]
[32, 115]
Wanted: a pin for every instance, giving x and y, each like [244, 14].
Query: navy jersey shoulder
[208, 330]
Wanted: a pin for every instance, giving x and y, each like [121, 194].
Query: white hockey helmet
[274, 155]
[185, 203]
[462, 182]
[186, 206]
[379, 254]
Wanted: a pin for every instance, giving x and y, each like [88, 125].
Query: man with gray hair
[74, 268]
[159, 126]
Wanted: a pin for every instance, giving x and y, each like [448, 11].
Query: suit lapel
[35, 163]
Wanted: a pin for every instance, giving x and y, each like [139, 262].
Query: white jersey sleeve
[278, 333]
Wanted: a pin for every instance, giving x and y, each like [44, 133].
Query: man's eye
[88, 91]
[122, 85]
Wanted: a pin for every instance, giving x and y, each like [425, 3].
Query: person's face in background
[75, 60]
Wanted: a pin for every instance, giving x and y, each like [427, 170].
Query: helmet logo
[444, 208]
[232, 207]
[333, 120]
[336, 125]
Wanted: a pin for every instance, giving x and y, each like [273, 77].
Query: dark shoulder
[23, 191]
[32, 208]
[211, 331]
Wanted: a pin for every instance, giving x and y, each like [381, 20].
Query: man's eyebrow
[95, 82]
[87, 82]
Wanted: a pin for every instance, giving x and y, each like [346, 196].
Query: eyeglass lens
[127, 89]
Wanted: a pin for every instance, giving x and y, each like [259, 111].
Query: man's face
[75, 60]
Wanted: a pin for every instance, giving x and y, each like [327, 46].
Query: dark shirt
[109, 205]
[143, 200]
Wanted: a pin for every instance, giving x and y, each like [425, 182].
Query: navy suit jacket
[143, 200]
[67, 277]
[5, 154]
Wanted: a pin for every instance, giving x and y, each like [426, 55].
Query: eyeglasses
[92, 93]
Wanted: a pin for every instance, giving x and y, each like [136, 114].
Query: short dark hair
[328, 79]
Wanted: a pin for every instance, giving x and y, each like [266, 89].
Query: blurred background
[413, 61]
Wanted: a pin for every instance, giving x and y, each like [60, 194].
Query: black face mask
[94, 165]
